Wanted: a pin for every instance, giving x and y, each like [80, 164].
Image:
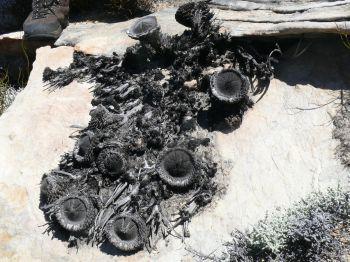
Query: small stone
[191, 84]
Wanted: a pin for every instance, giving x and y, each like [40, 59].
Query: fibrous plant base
[177, 167]
[127, 232]
[315, 229]
[229, 86]
[142, 155]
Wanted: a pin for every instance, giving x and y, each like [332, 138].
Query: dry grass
[345, 38]
[4, 86]
[342, 129]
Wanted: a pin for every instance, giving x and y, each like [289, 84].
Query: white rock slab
[103, 38]
[283, 151]
[238, 18]
[14, 35]
[34, 132]
[278, 18]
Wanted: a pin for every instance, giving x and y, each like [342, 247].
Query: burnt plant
[140, 159]
[75, 213]
[127, 232]
[229, 86]
[197, 16]
[112, 161]
[83, 150]
[177, 167]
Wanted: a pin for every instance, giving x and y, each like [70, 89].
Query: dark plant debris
[142, 168]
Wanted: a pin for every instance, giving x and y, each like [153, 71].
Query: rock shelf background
[283, 151]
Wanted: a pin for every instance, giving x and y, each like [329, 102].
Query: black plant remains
[142, 167]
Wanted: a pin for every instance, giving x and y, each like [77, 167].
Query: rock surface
[239, 18]
[283, 151]
[103, 38]
[34, 132]
[276, 18]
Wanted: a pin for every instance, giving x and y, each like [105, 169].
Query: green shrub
[315, 229]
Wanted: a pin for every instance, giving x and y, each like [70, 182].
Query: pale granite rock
[283, 151]
[34, 132]
[278, 18]
[103, 38]
[239, 18]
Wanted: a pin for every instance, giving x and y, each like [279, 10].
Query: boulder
[283, 151]
[238, 18]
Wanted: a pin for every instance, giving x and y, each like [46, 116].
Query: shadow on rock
[322, 62]
[17, 57]
[109, 249]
